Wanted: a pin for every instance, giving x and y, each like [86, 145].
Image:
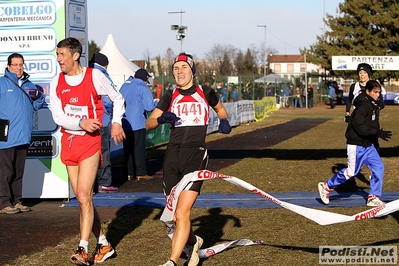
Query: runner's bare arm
[220, 111]
[152, 122]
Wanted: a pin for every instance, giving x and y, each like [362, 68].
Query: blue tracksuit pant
[357, 156]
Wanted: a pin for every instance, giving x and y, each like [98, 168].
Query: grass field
[297, 164]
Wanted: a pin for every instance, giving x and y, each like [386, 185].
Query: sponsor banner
[319, 216]
[358, 255]
[26, 13]
[42, 146]
[213, 122]
[41, 66]
[247, 110]
[77, 16]
[234, 117]
[28, 40]
[376, 62]
[38, 66]
[264, 106]
[157, 136]
[234, 114]
[33, 28]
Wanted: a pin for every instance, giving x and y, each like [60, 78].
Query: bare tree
[217, 54]
[255, 52]
[168, 58]
[147, 54]
[214, 57]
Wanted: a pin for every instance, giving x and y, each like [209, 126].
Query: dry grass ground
[293, 165]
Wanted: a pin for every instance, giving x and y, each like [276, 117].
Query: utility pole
[324, 17]
[306, 81]
[264, 59]
[181, 30]
[324, 37]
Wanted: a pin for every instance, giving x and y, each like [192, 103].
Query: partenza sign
[376, 62]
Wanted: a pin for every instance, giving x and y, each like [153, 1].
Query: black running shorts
[180, 160]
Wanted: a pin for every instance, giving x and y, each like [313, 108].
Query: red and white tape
[319, 216]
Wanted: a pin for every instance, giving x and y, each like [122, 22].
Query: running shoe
[101, 253]
[23, 208]
[324, 192]
[80, 257]
[104, 189]
[10, 210]
[169, 263]
[144, 177]
[192, 252]
[374, 201]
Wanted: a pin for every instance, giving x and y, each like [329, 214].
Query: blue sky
[142, 28]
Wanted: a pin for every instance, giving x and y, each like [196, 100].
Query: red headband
[185, 58]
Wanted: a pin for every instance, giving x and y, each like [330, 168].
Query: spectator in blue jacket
[19, 99]
[224, 93]
[138, 100]
[235, 94]
[104, 177]
[331, 94]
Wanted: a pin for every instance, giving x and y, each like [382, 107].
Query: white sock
[102, 240]
[85, 244]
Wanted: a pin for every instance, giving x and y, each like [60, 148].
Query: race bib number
[191, 114]
[77, 111]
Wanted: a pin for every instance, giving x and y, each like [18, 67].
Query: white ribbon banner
[319, 216]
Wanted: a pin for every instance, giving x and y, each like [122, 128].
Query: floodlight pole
[264, 59]
[180, 28]
[306, 81]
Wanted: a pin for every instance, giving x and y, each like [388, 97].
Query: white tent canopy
[119, 67]
[272, 78]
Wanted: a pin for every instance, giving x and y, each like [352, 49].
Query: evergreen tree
[93, 48]
[250, 65]
[239, 62]
[150, 68]
[362, 27]
[159, 65]
[226, 68]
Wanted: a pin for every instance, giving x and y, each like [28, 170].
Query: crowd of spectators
[286, 94]
[227, 92]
